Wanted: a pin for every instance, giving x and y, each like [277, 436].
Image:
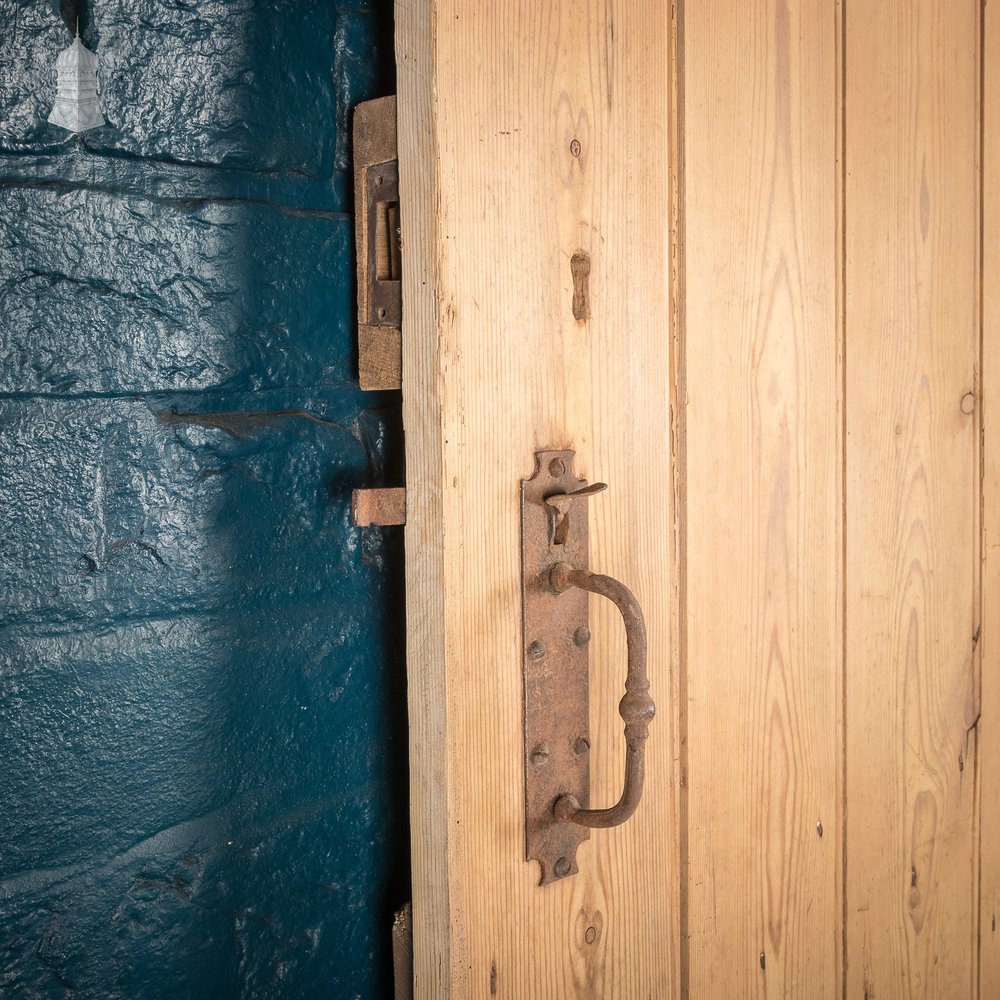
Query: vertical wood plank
[763, 499]
[989, 726]
[912, 339]
[678, 492]
[530, 132]
[427, 674]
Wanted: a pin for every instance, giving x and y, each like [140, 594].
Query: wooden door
[784, 373]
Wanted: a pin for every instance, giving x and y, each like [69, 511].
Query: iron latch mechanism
[377, 238]
[380, 299]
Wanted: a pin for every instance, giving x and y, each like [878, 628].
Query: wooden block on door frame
[382, 506]
[380, 357]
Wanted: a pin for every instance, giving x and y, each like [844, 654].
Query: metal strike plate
[556, 683]
[377, 245]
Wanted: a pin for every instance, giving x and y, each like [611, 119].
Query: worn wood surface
[989, 727]
[763, 500]
[811, 526]
[402, 953]
[380, 357]
[498, 200]
[426, 642]
[913, 495]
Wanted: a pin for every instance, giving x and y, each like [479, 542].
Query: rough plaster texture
[202, 743]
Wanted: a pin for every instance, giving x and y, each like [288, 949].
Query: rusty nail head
[581, 636]
[557, 468]
[562, 867]
[536, 650]
[575, 148]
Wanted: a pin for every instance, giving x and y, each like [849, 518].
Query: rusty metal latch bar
[555, 583]
[380, 299]
[381, 506]
[378, 245]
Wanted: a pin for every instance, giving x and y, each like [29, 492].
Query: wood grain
[427, 674]
[763, 565]
[797, 453]
[529, 133]
[913, 615]
[989, 727]
[402, 953]
[380, 358]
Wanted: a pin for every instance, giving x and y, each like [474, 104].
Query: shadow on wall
[202, 724]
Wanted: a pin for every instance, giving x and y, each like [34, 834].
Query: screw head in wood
[575, 148]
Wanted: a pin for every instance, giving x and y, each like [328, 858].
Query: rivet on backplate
[536, 650]
[562, 867]
[582, 744]
[557, 468]
[581, 636]
[540, 754]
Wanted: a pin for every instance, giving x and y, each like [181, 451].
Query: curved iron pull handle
[636, 707]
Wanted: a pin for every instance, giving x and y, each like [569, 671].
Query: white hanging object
[77, 107]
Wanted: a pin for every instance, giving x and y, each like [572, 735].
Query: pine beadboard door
[786, 375]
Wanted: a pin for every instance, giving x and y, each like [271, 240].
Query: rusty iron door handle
[556, 584]
[636, 707]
